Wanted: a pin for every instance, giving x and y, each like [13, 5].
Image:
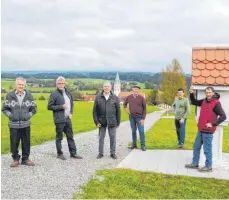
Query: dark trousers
[65, 127]
[16, 135]
[180, 129]
[135, 122]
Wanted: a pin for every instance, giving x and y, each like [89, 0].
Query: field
[42, 128]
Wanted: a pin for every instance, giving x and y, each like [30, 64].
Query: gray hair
[20, 79]
[60, 78]
[107, 83]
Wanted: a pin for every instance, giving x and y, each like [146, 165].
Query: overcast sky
[123, 35]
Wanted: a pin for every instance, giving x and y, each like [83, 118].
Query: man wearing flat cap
[137, 114]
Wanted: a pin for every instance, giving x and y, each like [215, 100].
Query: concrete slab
[172, 162]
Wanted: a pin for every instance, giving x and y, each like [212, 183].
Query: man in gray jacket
[19, 107]
[61, 103]
[106, 113]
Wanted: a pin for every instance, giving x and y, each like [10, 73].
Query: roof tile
[193, 66]
[210, 55]
[226, 55]
[210, 80]
[219, 66]
[200, 80]
[227, 80]
[226, 66]
[200, 65]
[220, 80]
[224, 73]
[194, 55]
[214, 73]
[201, 54]
[205, 73]
[210, 66]
[196, 72]
[219, 55]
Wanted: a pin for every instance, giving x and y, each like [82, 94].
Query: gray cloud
[104, 34]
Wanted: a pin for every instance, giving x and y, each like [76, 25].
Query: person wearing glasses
[61, 103]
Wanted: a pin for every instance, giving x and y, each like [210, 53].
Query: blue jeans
[135, 122]
[180, 128]
[206, 140]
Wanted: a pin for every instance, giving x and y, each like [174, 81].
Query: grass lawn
[43, 129]
[130, 184]
[163, 134]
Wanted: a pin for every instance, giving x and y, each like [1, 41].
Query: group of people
[211, 115]
[19, 106]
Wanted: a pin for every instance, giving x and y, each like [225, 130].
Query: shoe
[15, 163]
[132, 147]
[143, 149]
[113, 156]
[191, 166]
[28, 163]
[76, 157]
[205, 169]
[61, 156]
[180, 146]
[99, 156]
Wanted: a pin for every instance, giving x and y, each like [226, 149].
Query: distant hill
[142, 77]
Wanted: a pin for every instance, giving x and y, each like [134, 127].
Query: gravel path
[52, 178]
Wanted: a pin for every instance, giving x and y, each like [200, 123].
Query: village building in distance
[117, 89]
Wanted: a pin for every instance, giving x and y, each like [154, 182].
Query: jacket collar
[61, 91]
[102, 93]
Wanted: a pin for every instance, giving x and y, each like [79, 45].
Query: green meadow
[42, 125]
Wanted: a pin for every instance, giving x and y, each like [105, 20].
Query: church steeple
[117, 85]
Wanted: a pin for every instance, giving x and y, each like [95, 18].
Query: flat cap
[136, 86]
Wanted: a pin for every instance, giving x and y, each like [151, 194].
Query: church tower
[117, 85]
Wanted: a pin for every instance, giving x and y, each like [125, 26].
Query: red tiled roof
[210, 66]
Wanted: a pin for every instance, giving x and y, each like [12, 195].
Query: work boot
[99, 156]
[76, 157]
[205, 169]
[191, 166]
[113, 156]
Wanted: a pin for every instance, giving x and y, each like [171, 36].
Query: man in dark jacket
[61, 103]
[106, 113]
[211, 115]
[19, 107]
[137, 114]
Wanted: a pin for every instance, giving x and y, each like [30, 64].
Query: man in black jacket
[61, 103]
[106, 113]
[19, 107]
